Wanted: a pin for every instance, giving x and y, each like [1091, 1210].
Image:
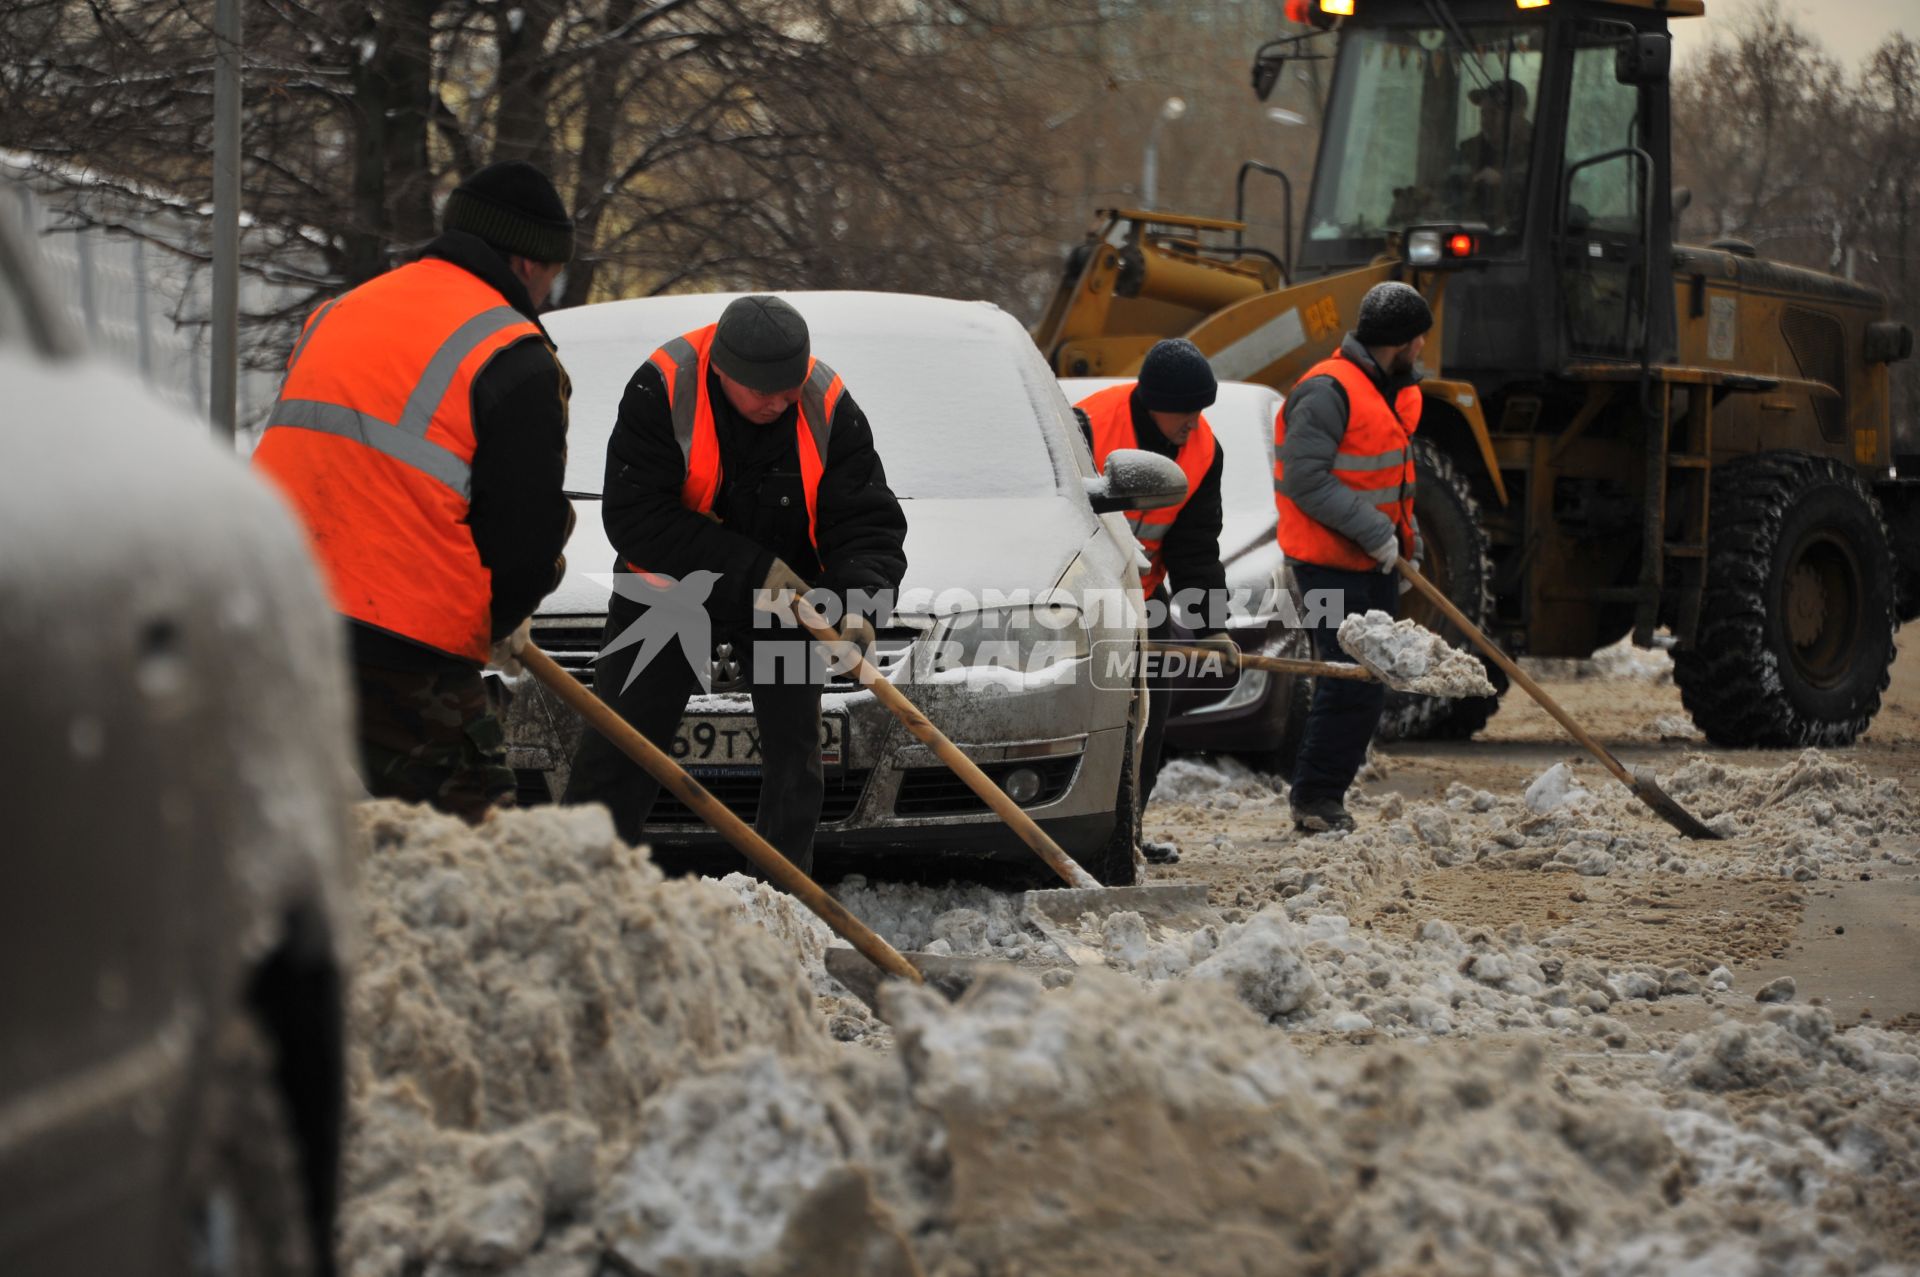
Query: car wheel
[1117, 863]
[1795, 639]
[245, 1206]
[1458, 563]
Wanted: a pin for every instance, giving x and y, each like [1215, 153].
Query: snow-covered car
[1259, 716]
[172, 893]
[1002, 502]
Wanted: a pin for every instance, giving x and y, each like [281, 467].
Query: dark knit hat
[512, 206]
[1392, 314]
[762, 343]
[1176, 377]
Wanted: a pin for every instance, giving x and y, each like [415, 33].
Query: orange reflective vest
[1375, 460]
[1110, 412]
[372, 444]
[683, 364]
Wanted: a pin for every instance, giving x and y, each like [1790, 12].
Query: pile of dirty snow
[520, 990]
[1619, 662]
[1408, 656]
[561, 1065]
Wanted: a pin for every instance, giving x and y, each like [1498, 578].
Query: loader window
[1604, 258]
[1421, 129]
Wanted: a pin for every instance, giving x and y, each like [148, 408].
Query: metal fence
[137, 301]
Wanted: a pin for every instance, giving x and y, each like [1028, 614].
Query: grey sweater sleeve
[1316, 417]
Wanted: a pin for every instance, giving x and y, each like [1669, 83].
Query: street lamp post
[225, 358]
[1171, 109]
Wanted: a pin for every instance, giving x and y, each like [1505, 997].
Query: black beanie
[512, 206]
[1392, 314]
[762, 343]
[1176, 377]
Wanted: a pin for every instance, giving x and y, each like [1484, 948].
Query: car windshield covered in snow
[953, 390]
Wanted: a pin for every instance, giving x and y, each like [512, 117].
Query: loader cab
[1535, 139]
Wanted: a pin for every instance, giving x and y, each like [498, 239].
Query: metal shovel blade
[1163, 907]
[1669, 809]
[947, 975]
[1174, 904]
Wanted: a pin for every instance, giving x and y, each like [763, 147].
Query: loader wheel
[1456, 560]
[1795, 640]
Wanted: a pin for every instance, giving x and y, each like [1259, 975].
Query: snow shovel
[1643, 787]
[1088, 895]
[949, 977]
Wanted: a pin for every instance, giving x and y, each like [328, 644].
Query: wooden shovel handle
[784, 873]
[965, 768]
[1276, 664]
[1432, 594]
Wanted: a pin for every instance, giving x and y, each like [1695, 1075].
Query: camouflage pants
[432, 738]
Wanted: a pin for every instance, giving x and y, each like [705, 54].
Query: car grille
[572, 645]
[741, 793]
[936, 791]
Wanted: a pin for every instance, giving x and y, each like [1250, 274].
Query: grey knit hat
[1392, 314]
[762, 343]
[512, 206]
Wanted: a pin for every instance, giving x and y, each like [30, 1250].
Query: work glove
[1416, 558]
[1387, 553]
[777, 593]
[858, 630]
[505, 655]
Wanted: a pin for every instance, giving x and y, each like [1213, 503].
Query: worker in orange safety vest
[1343, 482]
[420, 436]
[739, 455]
[1161, 412]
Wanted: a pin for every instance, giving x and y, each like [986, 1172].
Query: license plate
[733, 740]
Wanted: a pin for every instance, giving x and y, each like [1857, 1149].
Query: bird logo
[676, 612]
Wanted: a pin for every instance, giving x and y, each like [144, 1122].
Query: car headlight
[1024, 638]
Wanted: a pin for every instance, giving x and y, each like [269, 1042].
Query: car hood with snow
[991, 503]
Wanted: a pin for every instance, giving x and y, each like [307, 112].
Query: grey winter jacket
[1316, 417]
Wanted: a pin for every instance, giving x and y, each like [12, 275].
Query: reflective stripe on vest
[1110, 413]
[1375, 460]
[683, 363]
[372, 443]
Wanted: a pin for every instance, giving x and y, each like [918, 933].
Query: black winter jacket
[761, 506]
[1191, 548]
[517, 511]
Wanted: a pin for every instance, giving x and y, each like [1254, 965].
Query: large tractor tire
[1796, 628]
[1456, 560]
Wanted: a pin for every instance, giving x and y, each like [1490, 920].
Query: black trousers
[1345, 712]
[1159, 703]
[787, 715]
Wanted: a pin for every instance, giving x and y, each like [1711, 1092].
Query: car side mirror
[1136, 480]
[1646, 57]
[1266, 73]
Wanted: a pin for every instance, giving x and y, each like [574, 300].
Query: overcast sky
[1850, 29]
